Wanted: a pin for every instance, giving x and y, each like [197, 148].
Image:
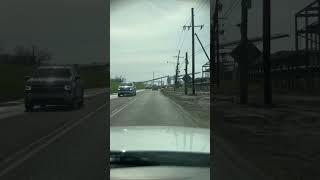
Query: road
[148, 108]
[153, 108]
[56, 142]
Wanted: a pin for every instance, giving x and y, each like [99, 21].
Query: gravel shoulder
[197, 106]
[281, 140]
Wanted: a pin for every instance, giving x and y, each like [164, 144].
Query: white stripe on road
[116, 111]
[43, 142]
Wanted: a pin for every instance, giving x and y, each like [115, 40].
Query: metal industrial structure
[310, 32]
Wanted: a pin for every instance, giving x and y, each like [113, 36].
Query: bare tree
[41, 55]
[119, 79]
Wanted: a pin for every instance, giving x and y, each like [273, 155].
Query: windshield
[52, 72]
[126, 84]
[164, 111]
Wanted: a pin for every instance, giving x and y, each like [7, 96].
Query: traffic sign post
[253, 52]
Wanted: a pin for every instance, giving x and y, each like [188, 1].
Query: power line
[230, 9]
[182, 32]
[203, 5]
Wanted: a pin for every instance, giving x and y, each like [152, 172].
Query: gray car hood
[160, 138]
[49, 80]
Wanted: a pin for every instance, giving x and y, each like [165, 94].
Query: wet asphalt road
[74, 142]
[148, 108]
[56, 143]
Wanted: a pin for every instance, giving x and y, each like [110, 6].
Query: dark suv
[54, 85]
[127, 89]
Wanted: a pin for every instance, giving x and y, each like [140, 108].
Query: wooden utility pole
[213, 46]
[193, 69]
[244, 54]
[217, 44]
[266, 51]
[193, 55]
[152, 79]
[186, 74]
[177, 72]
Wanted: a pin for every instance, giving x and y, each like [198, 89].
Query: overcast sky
[144, 35]
[74, 31]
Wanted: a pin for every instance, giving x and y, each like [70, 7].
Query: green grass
[94, 78]
[113, 86]
[12, 79]
[140, 85]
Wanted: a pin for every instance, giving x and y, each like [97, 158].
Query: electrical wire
[203, 5]
[229, 11]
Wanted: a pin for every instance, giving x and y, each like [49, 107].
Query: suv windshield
[52, 72]
[126, 84]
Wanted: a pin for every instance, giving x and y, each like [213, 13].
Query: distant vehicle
[148, 87]
[155, 88]
[54, 85]
[127, 89]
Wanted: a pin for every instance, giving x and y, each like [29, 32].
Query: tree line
[33, 55]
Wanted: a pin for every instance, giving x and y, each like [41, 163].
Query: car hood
[160, 138]
[58, 81]
[125, 87]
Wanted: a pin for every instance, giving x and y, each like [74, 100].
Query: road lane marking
[42, 143]
[116, 111]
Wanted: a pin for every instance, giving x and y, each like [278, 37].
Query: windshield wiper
[127, 160]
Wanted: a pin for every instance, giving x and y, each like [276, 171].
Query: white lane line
[116, 111]
[42, 143]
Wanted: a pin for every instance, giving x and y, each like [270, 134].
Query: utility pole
[177, 72]
[193, 56]
[215, 73]
[244, 54]
[34, 55]
[186, 74]
[152, 79]
[266, 51]
[217, 44]
[192, 21]
[212, 48]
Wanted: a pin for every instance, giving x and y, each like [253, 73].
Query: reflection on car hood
[125, 86]
[159, 138]
[49, 80]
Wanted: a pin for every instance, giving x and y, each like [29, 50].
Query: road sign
[187, 78]
[253, 52]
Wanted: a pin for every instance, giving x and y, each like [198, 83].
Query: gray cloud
[75, 30]
[145, 34]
